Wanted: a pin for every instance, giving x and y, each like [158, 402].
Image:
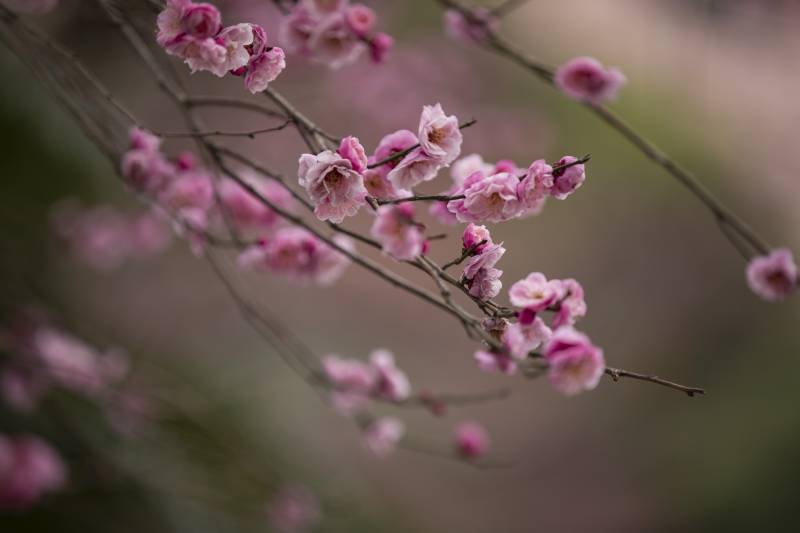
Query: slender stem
[617, 373]
[400, 155]
[220, 133]
[464, 255]
[580, 161]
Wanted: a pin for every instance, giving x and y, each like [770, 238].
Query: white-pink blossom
[378, 185]
[236, 40]
[535, 293]
[493, 362]
[395, 229]
[353, 383]
[381, 436]
[439, 135]
[567, 179]
[485, 284]
[572, 306]
[773, 276]
[413, 169]
[333, 44]
[336, 189]
[535, 186]
[492, 198]
[520, 338]
[263, 69]
[391, 383]
[463, 168]
[487, 258]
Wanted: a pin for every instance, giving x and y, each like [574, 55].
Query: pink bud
[471, 440]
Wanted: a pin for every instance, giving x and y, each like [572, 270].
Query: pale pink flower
[463, 168]
[237, 40]
[535, 293]
[392, 144]
[169, 22]
[294, 509]
[495, 362]
[190, 188]
[492, 198]
[773, 276]
[259, 46]
[575, 364]
[439, 135]
[97, 237]
[148, 235]
[32, 469]
[440, 211]
[507, 165]
[141, 139]
[473, 235]
[485, 284]
[201, 20]
[567, 179]
[487, 258]
[462, 30]
[391, 383]
[329, 263]
[378, 185]
[471, 440]
[380, 47]
[34, 7]
[536, 185]
[248, 212]
[23, 387]
[585, 79]
[572, 306]
[353, 382]
[263, 69]
[333, 44]
[396, 230]
[520, 339]
[352, 150]
[191, 225]
[360, 19]
[333, 185]
[413, 169]
[294, 31]
[200, 54]
[381, 437]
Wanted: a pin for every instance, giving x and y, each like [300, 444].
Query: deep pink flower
[352, 150]
[259, 46]
[536, 185]
[333, 185]
[487, 258]
[575, 364]
[520, 338]
[492, 198]
[567, 179]
[360, 19]
[353, 383]
[186, 160]
[439, 135]
[462, 30]
[263, 69]
[495, 362]
[201, 20]
[471, 440]
[380, 47]
[473, 235]
[169, 22]
[535, 293]
[237, 41]
[381, 437]
[333, 44]
[585, 79]
[572, 306]
[29, 468]
[391, 383]
[773, 276]
[396, 230]
[415, 167]
[294, 509]
[485, 284]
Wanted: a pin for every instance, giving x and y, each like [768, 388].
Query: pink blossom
[353, 383]
[331, 42]
[329, 263]
[507, 165]
[535, 293]
[248, 212]
[321, 8]
[392, 144]
[237, 41]
[473, 235]
[360, 19]
[391, 383]
[201, 20]
[191, 188]
[378, 185]
[440, 211]
[97, 237]
[575, 364]
[488, 257]
[572, 306]
[186, 161]
[333, 185]
[520, 338]
[380, 47]
[492, 198]
[352, 150]
[567, 179]
[23, 387]
[146, 170]
[585, 79]
[141, 139]
[439, 135]
[191, 225]
[471, 440]
[381, 437]
[773, 276]
[536, 184]
[263, 69]
[148, 235]
[413, 169]
[485, 284]
[34, 7]
[395, 228]
[294, 509]
[201, 54]
[495, 362]
[32, 468]
[259, 46]
[294, 31]
[462, 30]
[466, 166]
[169, 22]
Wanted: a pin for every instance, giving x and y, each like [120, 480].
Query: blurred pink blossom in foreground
[773, 276]
[294, 509]
[29, 468]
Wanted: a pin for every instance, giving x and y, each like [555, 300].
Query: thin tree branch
[617, 373]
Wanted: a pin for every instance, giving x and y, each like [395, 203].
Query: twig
[617, 373]
[403, 153]
[421, 198]
[219, 133]
[464, 255]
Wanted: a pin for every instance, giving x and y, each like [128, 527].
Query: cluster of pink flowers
[355, 384]
[299, 255]
[585, 79]
[470, 32]
[773, 276]
[103, 238]
[479, 275]
[294, 509]
[194, 33]
[503, 191]
[29, 469]
[333, 32]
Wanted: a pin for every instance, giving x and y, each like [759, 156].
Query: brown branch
[463, 256]
[220, 133]
[617, 373]
[421, 198]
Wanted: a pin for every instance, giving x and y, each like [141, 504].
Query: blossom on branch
[492, 198]
[568, 179]
[494, 362]
[486, 258]
[471, 440]
[394, 227]
[336, 189]
[572, 306]
[535, 293]
[521, 338]
[381, 437]
[574, 363]
[294, 509]
[585, 79]
[773, 276]
[485, 284]
[439, 135]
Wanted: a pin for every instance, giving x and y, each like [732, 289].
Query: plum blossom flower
[141, 139]
[439, 135]
[473, 235]
[248, 212]
[321, 8]
[333, 44]
[485, 284]
[575, 364]
[97, 237]
[439, 211]
[149, 234]
[413, 169]
[392, 144]
[535, 293]
[191, 188]
[458, 28]
[360, 19]
[200, 20]
[572, 306]
[567, 179]
[353, 382]
[263, 69]
[378, 185]
[773, 276]
[380, 47]
[487, 258]
[352, 150]
[330, 263]
[463, 168]
[333, 185]
[471, 440]
[169, 22]
[492, 198]
[391, 383]
[146, 170]
[191, 225]
[493, 362]
[585, 79]
[536, 185]
[294, 509]
[200, 54]
[236, 40]
[295, 29]
[395, 228]
[381, 437]
[29, 468]
[520, 338]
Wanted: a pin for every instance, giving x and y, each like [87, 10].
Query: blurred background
[713, 83]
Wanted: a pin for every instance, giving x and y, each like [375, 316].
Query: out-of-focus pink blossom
[237, 41]
[439, 135]
[473, 235]
[488, 257]
[146, 170]
[360, 19]
[495, 362]
[97, 237]
[485, 284]
[353, 383]
[23, 387]
[141, 139]
[148, 235]
[440, 211]
[333, 44]
[567, 179]
[29, 469]
[352, 150]
[585, 79]
[321, 8]
[415, 167]
[773, 276]
[572, 306]
[391, 383]
[294, 31]
[520, 338]
[471, 440]
[492, 198]
[380, 47]
[191, 188]
[396, 230]
[294, 509]
[329, 263]
[469, 32]
[336, 189]
[192, 225]
[201, 54]
[263, 69]
[535, 293]
[392, 144]
[381, 437]
[34, 7]
[200, 20]
[536, 185]
[186, 161]
[575, 364]
[248, 212]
